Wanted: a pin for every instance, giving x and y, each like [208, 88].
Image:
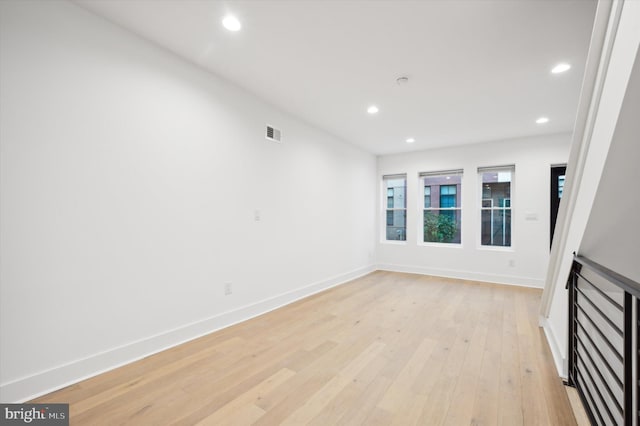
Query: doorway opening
[557, 186]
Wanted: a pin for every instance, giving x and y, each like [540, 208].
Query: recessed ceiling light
[542, 120]
[372, 109]
[561, 68]
[231, 23]
[411, 140]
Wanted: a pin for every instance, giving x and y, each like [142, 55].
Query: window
[396, 207]
[448, 195]
[389, 217]
[495, 210]
[427, 197]
[442, 215]
[390, 192]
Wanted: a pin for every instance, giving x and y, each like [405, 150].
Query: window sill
[497, 248]
[394, 242]
[440, 245]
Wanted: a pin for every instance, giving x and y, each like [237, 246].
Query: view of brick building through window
[442, 215]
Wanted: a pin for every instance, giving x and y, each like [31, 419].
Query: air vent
[273, 134]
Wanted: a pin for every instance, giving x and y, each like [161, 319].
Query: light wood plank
[320, 399]
[388, 348]
[242, 410]
[578, 409]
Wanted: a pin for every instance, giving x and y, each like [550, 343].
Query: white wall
[612, 236]
[615, 60]
[529, 253]
[129, 183]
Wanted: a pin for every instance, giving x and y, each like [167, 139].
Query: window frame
[459, 207]
[496, 169]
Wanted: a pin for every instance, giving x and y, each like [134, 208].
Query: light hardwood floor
[388, 348]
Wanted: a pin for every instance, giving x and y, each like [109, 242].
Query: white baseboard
[465, 275]
[38, 384]
[559, 359]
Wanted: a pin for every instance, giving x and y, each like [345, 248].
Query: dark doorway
[557, 186]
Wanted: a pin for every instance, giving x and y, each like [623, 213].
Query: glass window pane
[441, 223]
[396, 225]
[442, 226]
[438, 180]
[496, 227]
[496, 191]
[396, 212]
[496, 208]
[447, 201]
[447, 196]
[396, 189]
[427, 197]
[447, 190]
[500, 177]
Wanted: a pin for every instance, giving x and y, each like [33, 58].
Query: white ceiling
[478, 70]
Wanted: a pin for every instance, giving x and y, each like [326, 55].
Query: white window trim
[440, 245]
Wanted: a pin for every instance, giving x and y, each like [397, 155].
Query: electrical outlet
[228, 289]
